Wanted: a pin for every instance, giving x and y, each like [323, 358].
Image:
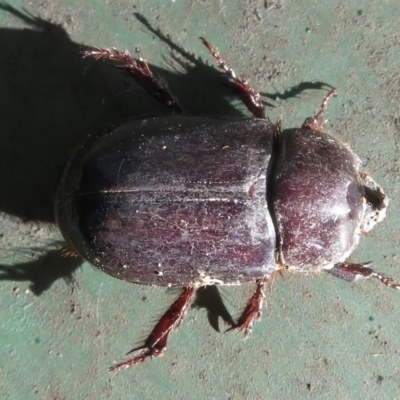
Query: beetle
[188, 201]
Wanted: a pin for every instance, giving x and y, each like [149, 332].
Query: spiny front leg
[354, 272]
[156, 343]
[253, 310]
[317, 122]
[250, 96]
[140, 70]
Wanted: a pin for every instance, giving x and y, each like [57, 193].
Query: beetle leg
[354, 272]
[140, 70]
[156, 343]
[317, 122]
[250, 96]
[253, 310]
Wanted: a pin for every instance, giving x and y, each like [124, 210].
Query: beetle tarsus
[146, 354]
[156, 343]
[253, 310]
[141, 72]
[250, 96]
[317, 122]
[354, 272]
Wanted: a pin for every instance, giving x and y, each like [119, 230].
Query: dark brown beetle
[192, 201]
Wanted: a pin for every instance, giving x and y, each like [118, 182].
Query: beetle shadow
[209, 297]
[51, 98]
[290, 93]
[41, 273]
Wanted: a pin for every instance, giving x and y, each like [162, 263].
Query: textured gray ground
[320, 337]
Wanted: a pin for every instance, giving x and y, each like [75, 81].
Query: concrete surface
[62, 325]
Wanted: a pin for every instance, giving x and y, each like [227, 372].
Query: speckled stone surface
[320, 337]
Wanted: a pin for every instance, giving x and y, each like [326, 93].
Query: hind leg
[140, 71]
[156, 343]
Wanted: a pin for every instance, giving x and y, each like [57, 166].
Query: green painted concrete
[320, 338]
